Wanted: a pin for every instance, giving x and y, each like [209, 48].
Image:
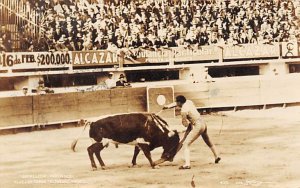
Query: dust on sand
[258, 149]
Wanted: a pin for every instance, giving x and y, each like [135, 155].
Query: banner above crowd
[177, 54]
[94, 58]
[252, 51]
[120, 57]
[35, 60]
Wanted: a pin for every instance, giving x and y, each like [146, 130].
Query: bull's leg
[146, 149]
[136, 152]
[97, 148]
[91, 152]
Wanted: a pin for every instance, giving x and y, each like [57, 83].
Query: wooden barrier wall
[224, 92]
[16, 111]
[46, 109]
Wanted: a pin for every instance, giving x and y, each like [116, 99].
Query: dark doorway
[217, 72]
[294, 68]
[152, 75]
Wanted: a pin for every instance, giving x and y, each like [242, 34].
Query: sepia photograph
[149, 93]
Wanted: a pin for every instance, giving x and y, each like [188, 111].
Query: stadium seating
[92, 25]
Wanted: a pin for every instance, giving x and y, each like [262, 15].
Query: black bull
[144, 130]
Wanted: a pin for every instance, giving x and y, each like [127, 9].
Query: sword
[159, 112]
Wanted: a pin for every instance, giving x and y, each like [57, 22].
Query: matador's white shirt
[189, 110]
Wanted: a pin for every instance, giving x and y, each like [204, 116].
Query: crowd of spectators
[99, 24]
[5, 39]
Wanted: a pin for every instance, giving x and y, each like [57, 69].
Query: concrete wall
[243, 91]
[270, 69]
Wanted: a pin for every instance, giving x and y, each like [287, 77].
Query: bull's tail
[74, 143]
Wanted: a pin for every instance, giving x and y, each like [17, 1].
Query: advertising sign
[35, 60]
[290, 49]
[176, 54]
[94, 58]
[251, 51]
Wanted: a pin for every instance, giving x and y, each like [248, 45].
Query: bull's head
[97, 131]
[170, 148]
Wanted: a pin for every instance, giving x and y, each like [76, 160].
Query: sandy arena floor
[258, 149]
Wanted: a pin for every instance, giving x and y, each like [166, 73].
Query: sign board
[157, 97]
[203, 53]
[251, 51]
[39, 60]
[197, 54]
[176, 54]
[94, 58]
[289, 49]
[35, 60]
[139, 56]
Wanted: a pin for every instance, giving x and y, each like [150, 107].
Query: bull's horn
[159, 161]
[171, 133]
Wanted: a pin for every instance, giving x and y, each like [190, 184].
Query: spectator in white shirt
[110, 82]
